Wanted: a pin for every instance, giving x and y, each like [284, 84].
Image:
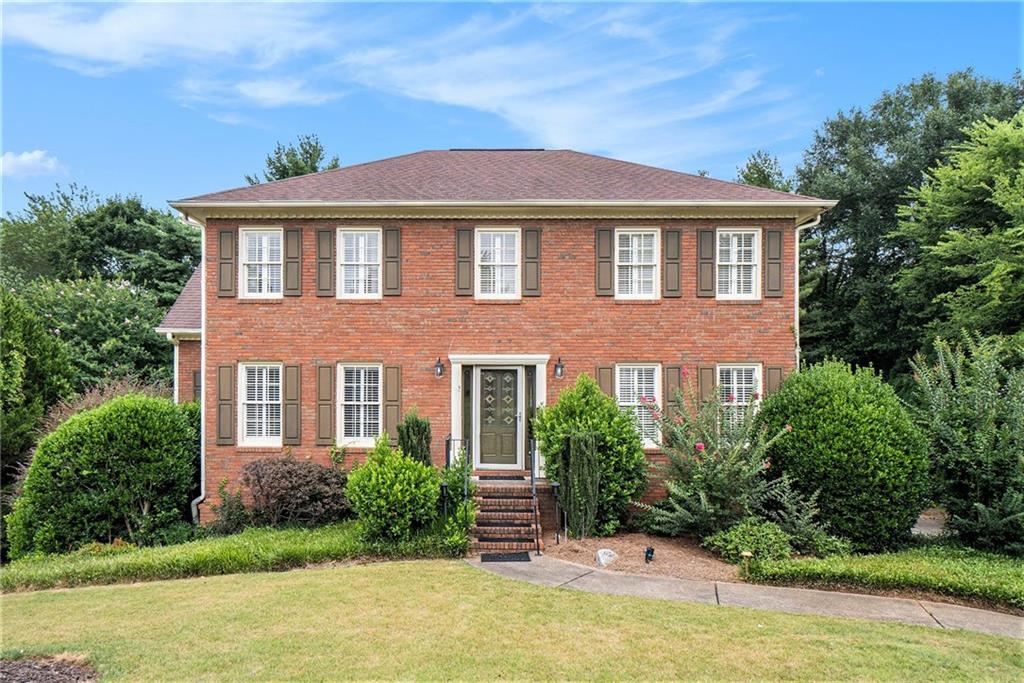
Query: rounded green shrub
[585, 408]
[393, 495]
[853, 441]
[122, 470]
[750, 539]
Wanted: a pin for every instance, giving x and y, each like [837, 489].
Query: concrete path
[547, 571]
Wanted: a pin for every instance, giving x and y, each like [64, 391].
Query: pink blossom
[684, 372]
[699, 446]
[678, 419]
[757, 395]
[767, 464]
[730, 398]
[788, 428]
[655, 414]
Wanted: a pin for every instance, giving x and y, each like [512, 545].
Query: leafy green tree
[71, 234]
[295, 160]
[35, 372]
[962, 236]
[867, 159]
[763, 170]
[108, 326]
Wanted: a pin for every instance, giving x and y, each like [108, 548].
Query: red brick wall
[428, 321]
[188, 363]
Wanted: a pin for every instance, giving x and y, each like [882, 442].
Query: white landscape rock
[605, 556]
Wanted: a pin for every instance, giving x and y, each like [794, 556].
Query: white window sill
[260, 443]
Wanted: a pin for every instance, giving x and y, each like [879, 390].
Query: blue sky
[171, 100]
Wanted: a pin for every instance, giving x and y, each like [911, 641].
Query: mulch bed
[59, 669]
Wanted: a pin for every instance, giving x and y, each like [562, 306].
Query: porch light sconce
[438, 368]
[559, 368]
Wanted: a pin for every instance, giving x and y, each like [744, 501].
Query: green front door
[499, 417]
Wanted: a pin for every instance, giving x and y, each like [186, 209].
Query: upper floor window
[636, 385]
[636, 264]
[261, 263]
[359, 263]
[359, 419]
[739, 388]
[260, 389]
[737, 264]
[497, 263]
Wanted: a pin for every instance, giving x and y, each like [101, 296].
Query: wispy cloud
[263, 92]
[25, 164]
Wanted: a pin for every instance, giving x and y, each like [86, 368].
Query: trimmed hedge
[853, 441]
[122, 470]
[938, 567]
[285, 491]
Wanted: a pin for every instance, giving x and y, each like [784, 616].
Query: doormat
[505, 557]
[495, 477]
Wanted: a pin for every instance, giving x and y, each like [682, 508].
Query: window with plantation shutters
[739, 389]
[497, 264]
[260, 399]
[737, 264]
[359, 263]
[359, 409]
[636, 264]
[637, 387]
[262, 263]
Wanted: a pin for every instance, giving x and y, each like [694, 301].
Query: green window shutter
[325, 263]
[227, 260]
[773, 263]
[773, 376]
[325, 375]
[707, 382]
[226, 391]
[672, 267]
[463, 262]
[606, 379]
[531, 262]
[293, 262]
[604, 250]
[392, 262]
[291, 410]
[705, 263]
[392, 400]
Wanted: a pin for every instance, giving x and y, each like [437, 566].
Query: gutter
[796, 285]
[202, 371]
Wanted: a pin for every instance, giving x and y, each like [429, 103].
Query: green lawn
[938, 567]
[445, 619]
[254, 550]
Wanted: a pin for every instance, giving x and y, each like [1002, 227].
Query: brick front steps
[507, 517]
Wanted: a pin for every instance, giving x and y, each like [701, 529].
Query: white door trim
[520, 421]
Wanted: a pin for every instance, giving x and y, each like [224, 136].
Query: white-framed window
[497, 264]
[360, 412]
[259, 396]
[359, 252]
[636, 385]
[261, 256]
[739, 387]
[636, 263]
[738, 264]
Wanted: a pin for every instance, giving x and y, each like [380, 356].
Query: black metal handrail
[533, 490]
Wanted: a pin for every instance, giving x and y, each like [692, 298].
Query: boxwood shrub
[394, 495]
[122, 470]
[854, 442]
[762, 540]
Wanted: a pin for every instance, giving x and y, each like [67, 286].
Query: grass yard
[253, 550]
[938, 567]
[445, 619]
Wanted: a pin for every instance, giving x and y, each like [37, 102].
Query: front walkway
[547, 571]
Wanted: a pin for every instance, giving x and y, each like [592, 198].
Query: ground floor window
[261, 404]
[359, 410]
[739, 387]
[636, 385]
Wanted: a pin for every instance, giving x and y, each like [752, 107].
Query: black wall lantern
[438, 368]
[559, 369]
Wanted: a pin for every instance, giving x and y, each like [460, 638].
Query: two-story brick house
[474, 285]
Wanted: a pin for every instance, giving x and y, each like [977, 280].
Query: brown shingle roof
[186, 313]
[499, 176]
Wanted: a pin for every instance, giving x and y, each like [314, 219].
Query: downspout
[202, 374]
[796, 285]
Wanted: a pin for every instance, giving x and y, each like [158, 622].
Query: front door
[499, 413]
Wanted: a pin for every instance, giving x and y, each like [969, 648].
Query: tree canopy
[763, 170]
[308, 156]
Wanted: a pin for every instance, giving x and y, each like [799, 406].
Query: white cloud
[264, 92]
[25, 164]
[99, 40]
